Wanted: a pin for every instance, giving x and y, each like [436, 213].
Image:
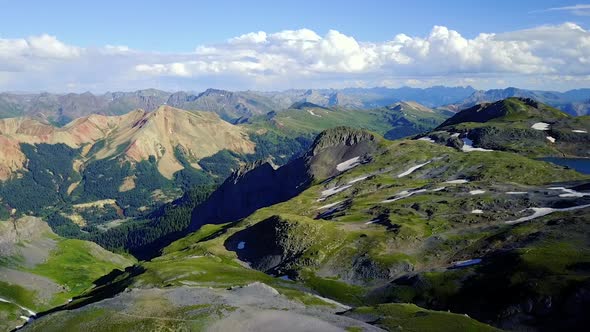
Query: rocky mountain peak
[215, 92]
[259, 166]
[301, 105]
[340, 136]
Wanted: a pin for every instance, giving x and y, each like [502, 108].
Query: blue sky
[180, 25]
[176, 44]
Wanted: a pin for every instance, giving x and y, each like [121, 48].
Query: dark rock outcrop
[259, 184]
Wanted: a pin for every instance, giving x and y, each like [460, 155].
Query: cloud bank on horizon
[553, 57]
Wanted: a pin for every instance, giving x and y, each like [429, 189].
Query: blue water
[466, 263]
[579, 164]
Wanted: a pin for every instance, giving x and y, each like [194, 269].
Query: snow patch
[458, 181]
[456, 135]
[551, 139]
[426, 139]
[516, 193]
[412, 169]
[579, 131]
[31, 312]
[569, 192]
[241, 245]
[361, 178]
[477, 211]
[404, 194]
[346, 165]
[312, 113]
[336, 303]
[335, 190]
[540, 212]
[468, 146]
[477, 192]
[329, 205]
[540, 126]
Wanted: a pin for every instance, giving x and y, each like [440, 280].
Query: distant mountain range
[574, 102]
[235, 106]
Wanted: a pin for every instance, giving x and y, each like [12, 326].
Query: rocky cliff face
[31, 230]
[251, 188]
[340, 136]
[259, 185]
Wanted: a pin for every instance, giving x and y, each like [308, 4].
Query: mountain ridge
[235, 106]
[574, 102]
[136, 135]
[262, 184]
[520, 125]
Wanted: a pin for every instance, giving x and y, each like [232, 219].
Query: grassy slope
[303, 123]
[73, 265]
[202, 258]
[393, 317]
[511, 129]
[498, 167]
[192, 261]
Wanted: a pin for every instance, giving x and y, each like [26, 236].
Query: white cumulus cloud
[580, 9]
[547, 56]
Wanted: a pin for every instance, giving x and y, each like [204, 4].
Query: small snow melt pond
[540, 126]
[346, 165]
[469, 262]
[241, 245]
[581, 165]
[468, 146]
